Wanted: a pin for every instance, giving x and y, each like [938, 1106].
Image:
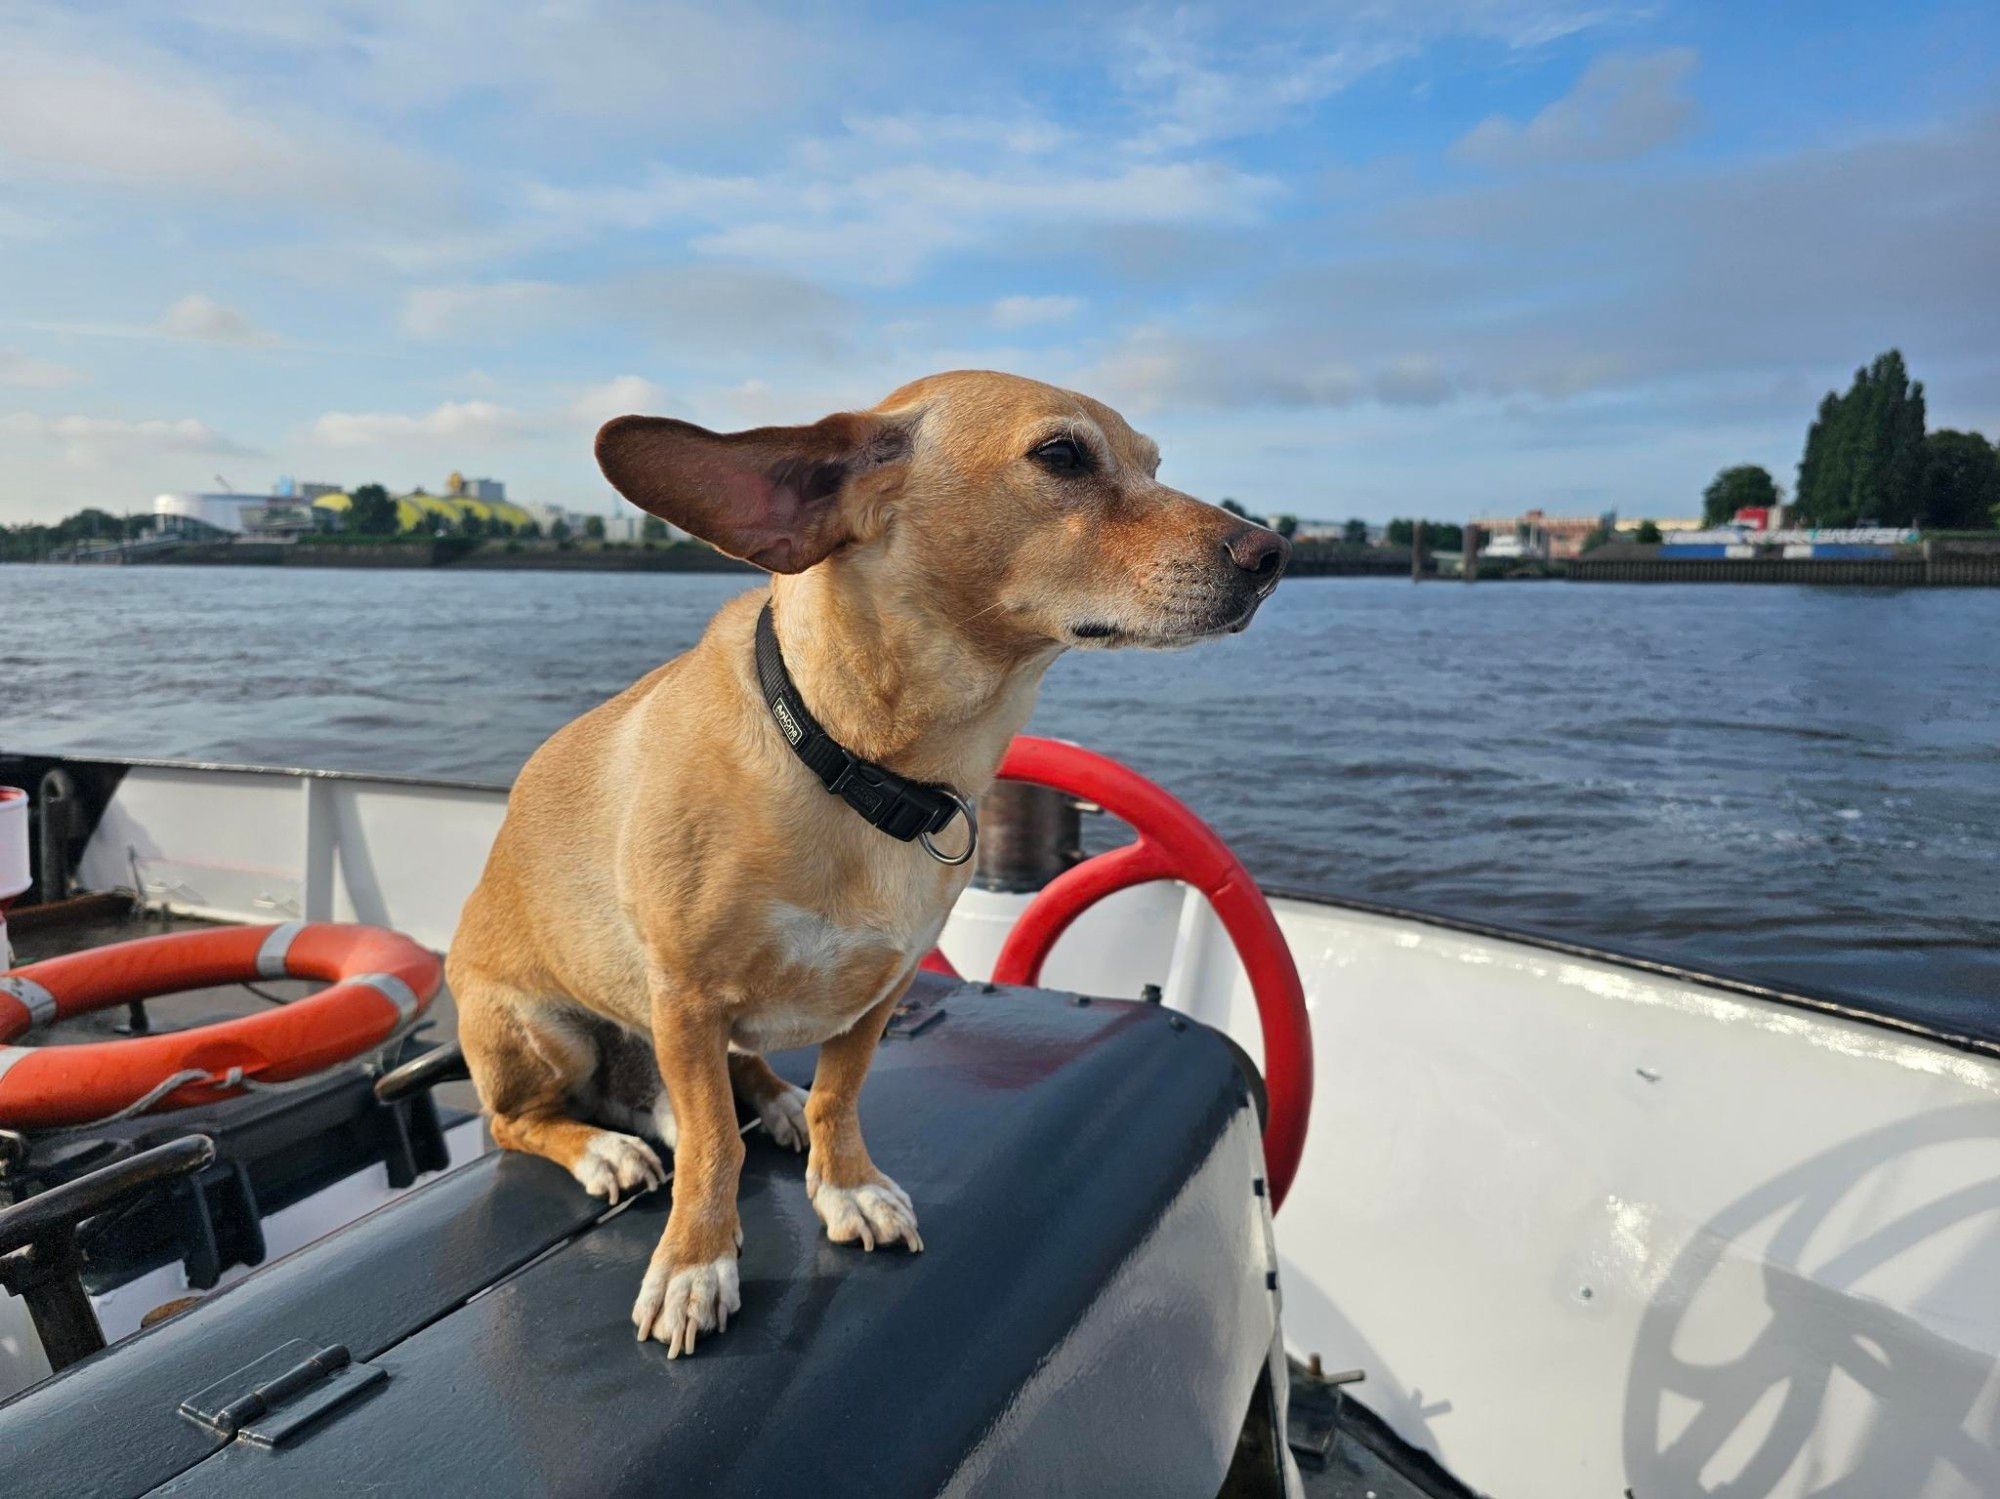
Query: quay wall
[1318, 560]
[292, 554]
[445, 551]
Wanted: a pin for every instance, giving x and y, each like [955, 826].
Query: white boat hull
[1589, 1229]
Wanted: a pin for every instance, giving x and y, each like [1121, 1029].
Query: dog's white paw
[675, 1305]
[614, 1164]
[784, 1117]
[877, 1212]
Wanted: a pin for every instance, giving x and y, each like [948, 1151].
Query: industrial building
[231, 514]
[296, 508]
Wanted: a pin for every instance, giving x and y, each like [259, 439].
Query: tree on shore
[1648, 534]
[1864, 453]
[370, 512]
[35, 539]
[593, 527]
[1438, 537]
[1355, 532]
[1747, 486]
[1960, 487]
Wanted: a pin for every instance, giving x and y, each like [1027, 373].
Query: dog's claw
[676, 1306]
[784, 1117]
[876, 1212]
[613, 1164]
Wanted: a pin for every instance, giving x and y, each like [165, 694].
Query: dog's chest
[830, 971]
[807, 939]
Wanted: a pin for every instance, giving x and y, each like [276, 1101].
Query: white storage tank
[13, 858]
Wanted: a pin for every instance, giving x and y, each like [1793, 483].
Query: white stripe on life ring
[9, 1055]
[37, 1001]
[271, 956]
[391, 988]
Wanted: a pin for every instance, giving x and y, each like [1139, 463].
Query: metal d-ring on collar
[970, 812]
[904, 809]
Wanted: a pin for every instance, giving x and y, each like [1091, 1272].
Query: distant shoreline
[1932, 564]
[445, 552]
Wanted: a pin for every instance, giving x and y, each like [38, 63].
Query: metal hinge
[268, 1402]
[915, 1015]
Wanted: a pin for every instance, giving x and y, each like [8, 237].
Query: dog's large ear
[772, 495]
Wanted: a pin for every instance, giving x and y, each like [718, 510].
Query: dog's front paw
[612, 1164]
[876, 1212]
[676, 1304]
[784, 1117]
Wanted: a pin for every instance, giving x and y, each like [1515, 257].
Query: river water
[1797, 785]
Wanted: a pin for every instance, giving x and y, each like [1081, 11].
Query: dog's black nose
[1260, 553]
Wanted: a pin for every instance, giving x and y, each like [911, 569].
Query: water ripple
[1799, 784]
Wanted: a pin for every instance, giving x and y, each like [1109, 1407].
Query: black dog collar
[900, 807]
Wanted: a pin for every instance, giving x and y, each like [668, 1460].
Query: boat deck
[1093, 1302]
[1355, 1457]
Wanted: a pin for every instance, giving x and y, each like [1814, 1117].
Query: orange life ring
[380, 980]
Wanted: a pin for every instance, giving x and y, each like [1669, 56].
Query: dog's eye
[1062, 455]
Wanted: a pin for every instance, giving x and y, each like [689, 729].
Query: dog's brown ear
[771, 495]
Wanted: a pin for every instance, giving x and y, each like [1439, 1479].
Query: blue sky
[1445, 256]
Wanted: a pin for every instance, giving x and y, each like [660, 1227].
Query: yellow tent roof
[413, 510]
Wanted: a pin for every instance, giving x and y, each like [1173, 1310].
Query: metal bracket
[1312, 1419]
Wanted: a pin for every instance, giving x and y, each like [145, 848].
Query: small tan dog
[674, 891]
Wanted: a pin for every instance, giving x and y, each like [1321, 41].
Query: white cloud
[25, 372]
[480, 309]
[1023, 134]
[97, 441]
[621, 395]
[882, 227]
[1585, 315]
[1414, 380]
[469, 427]
[202, 319]
[82, 105]
[601, 64]
[1623, 106]
[1149, 193]
[693, 312]
[837, 211]
[452, 422]
[1028, 312]
[1206, 73]
[1196, 97]
[660, 195]
[1154, 367]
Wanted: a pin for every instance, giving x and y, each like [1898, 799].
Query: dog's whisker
[981, 614]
